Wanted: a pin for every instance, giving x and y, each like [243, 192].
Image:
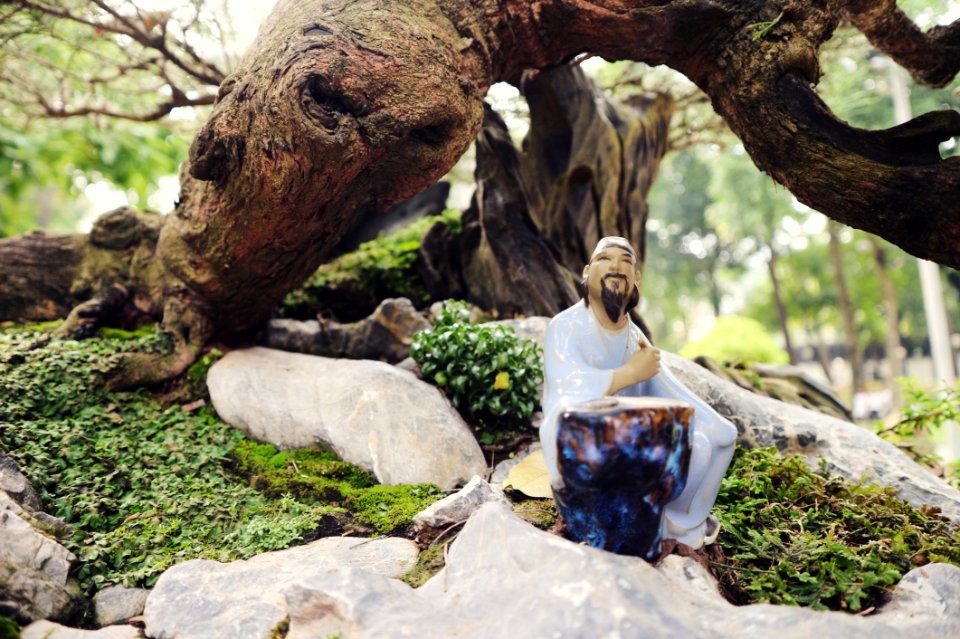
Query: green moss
[109, 332]
[318, 476]
[542, 513]
[792, 536]
[429, 563]
[352, 285]
[8, 628]
[391, 508]
[33, 327]
[311, 475]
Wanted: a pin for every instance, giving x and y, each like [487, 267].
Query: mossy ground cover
[794, 536]
[352, 285]
[145, 485]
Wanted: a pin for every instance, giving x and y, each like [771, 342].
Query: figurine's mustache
[619, 276]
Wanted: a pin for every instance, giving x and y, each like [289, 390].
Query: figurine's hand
[642, 365]
[645, 363]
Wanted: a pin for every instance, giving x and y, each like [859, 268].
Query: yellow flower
[502, 382]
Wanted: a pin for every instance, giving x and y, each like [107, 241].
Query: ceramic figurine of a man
[592, 350]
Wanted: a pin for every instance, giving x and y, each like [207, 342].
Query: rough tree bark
[342, 105]
[586, 167]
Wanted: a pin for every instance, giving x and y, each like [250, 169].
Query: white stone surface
[117, 604]
[202, 599]
[50, 630]
[505, 578]
[459, 506]
[374, 415]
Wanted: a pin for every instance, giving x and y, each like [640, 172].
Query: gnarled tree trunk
[345, 105]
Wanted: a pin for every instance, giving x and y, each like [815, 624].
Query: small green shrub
[353, 284]
[489, 373]
[792, 536]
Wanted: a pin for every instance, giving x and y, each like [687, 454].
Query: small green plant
[762, 29]
[489, 373]
[792, 536]
[923, 414]
[353, 284]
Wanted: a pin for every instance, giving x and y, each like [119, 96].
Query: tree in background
[340, 107]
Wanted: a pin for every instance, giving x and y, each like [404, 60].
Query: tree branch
[932, 57]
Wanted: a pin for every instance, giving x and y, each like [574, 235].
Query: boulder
[371, 414]
[533, 327]
[385, 335]
[13, 482]
[49, 630]
[847, 449]
[458, 507]
[505, 578]
[202, 599]
[116, 604]
[34, 568]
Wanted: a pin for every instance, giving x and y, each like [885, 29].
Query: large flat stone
[202, 599]
[372, 414]
[50, 630]
[505, 578]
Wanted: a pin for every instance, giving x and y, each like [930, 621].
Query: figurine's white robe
[579, 358]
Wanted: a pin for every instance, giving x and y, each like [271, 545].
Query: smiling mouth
[614, 276]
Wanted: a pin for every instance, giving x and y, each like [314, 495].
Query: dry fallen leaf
[530, 477]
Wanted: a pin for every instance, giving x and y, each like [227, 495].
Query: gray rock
[372, 414]
[34, 569]
[50, 630]
[201, 599]
[117, 604]
[16, 485]
[505, 578]
[691, 576]
[534, 327]
[848, 450]
[385, 335]
[458, 507]
[931, 590]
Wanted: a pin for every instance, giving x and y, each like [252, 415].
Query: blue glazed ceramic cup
[622, 459]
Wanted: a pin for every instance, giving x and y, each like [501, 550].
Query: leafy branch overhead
[111, 58]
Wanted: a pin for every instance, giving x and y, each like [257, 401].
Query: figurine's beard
[613, 302]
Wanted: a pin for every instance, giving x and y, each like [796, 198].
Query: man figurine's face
[611, 276]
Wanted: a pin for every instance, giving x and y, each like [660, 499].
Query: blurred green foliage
[45, 168]
[735, 338]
